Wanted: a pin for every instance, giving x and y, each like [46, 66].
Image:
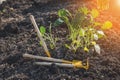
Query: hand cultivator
[50, 61]
[58, 62]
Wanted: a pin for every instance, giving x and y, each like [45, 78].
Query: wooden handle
[39, 35]
[45, 58]
[57, 64]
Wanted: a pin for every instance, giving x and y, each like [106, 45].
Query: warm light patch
[118, 2]
[103, 4]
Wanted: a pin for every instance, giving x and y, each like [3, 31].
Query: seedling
[58, 62]
[48, 36]
[83, 32]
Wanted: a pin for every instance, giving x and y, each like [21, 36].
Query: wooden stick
[57, 64]
[45, 58]
[39, 35]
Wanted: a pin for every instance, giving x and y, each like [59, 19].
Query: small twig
[57, 64]
[45, 58]
[39, 35]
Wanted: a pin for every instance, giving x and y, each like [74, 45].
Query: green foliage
[42, 30]
[82, 28]
[94, 13]
[48, 37]
[84, 10]
[63, 13]
[82, 32]
[107, 25]
[58, 22]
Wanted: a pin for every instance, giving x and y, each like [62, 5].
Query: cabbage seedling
[82, 28]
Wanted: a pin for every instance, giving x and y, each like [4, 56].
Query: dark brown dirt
[17, 36]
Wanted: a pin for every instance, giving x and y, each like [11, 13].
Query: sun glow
[118, 3]
[103, 4]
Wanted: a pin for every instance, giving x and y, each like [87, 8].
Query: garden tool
[58, 62]
[40, 35]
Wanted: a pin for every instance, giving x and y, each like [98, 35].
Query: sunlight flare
[118, 2]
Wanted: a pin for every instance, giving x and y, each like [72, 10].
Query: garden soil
[17, 37]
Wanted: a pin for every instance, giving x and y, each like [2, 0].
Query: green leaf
[40, 43]
[97, 48]
[107, 25]
[75, 42]
[82, 32]
[78, 19]
[93, 43]
[67, 46]
[42, 30]
[94, 13]
[58, 22]
[84, 10]
[63, 12]
[86, 49]
[52, 46]
[97, 24]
